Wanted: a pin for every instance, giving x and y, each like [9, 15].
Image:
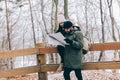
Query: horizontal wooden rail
[93, 47]
[3, 64]
[53, 67]
[49, 50]
[86, 66]
[101, 65]
[15, 53]
[49, 67]
[105, 46]
[19, 71]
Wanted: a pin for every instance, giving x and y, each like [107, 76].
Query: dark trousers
[61, 52]
[67, 73]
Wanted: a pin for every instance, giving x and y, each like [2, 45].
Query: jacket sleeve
[78, 40]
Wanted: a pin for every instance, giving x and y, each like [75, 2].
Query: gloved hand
[68, 41]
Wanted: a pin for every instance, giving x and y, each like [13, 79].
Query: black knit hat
[67, 24]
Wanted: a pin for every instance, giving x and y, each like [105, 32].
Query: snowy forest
[25, 23]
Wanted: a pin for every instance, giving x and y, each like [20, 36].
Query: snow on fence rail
[42, 67]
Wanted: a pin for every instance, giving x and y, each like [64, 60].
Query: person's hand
[68, 41]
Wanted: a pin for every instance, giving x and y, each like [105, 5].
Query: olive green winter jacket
[73, 52]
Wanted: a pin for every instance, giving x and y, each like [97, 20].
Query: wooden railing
[42, 68]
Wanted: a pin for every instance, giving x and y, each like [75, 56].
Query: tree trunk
[34, 38]
[8, 31]
[9, 61]
[66, 9]
[56, 12]
[109, 2]
[42, 11]
[52, 15]
[112, 19]
[86, 18]
[102, 23]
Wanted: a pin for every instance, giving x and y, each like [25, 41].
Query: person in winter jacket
[60, 48]
[73, 51]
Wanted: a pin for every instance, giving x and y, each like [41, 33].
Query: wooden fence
[42, 68]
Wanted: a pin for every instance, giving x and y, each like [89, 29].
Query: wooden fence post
[41, 60]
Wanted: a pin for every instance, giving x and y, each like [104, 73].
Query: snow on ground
[87, 75]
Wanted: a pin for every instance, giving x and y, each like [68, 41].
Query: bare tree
[33, 28]
[66, 9]
[52, 15]
[56, 12]
[10, 60]
[112, 19]
[86, 16]
[102, 23]
[110, 2]
[42, 11]
[7, 22]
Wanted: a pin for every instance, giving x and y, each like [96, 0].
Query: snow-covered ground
[87, 75]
